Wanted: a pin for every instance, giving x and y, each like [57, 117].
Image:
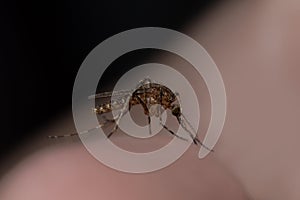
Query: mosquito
[153, 97]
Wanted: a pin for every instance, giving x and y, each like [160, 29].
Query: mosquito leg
[146, 110]
[118, 118]
[195, 138]
[108, 120]
[62, 136]
[180, 121]
[113, 131]
[145, 103]
[170, 131]
[116, 124]
[149, 123]
[76, 134]
[83, 132]
[160, 103]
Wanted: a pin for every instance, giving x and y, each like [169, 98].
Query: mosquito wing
[117, 94]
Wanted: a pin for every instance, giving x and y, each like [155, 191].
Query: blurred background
[255, 45]
[44, 43]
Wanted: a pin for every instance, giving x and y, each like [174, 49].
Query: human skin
[255, 46]
[70, 172]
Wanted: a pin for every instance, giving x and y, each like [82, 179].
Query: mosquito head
[176, 111]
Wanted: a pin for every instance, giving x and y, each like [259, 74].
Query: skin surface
[255, 45]
[70, 172]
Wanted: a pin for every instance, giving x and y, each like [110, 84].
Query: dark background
[44, 43]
